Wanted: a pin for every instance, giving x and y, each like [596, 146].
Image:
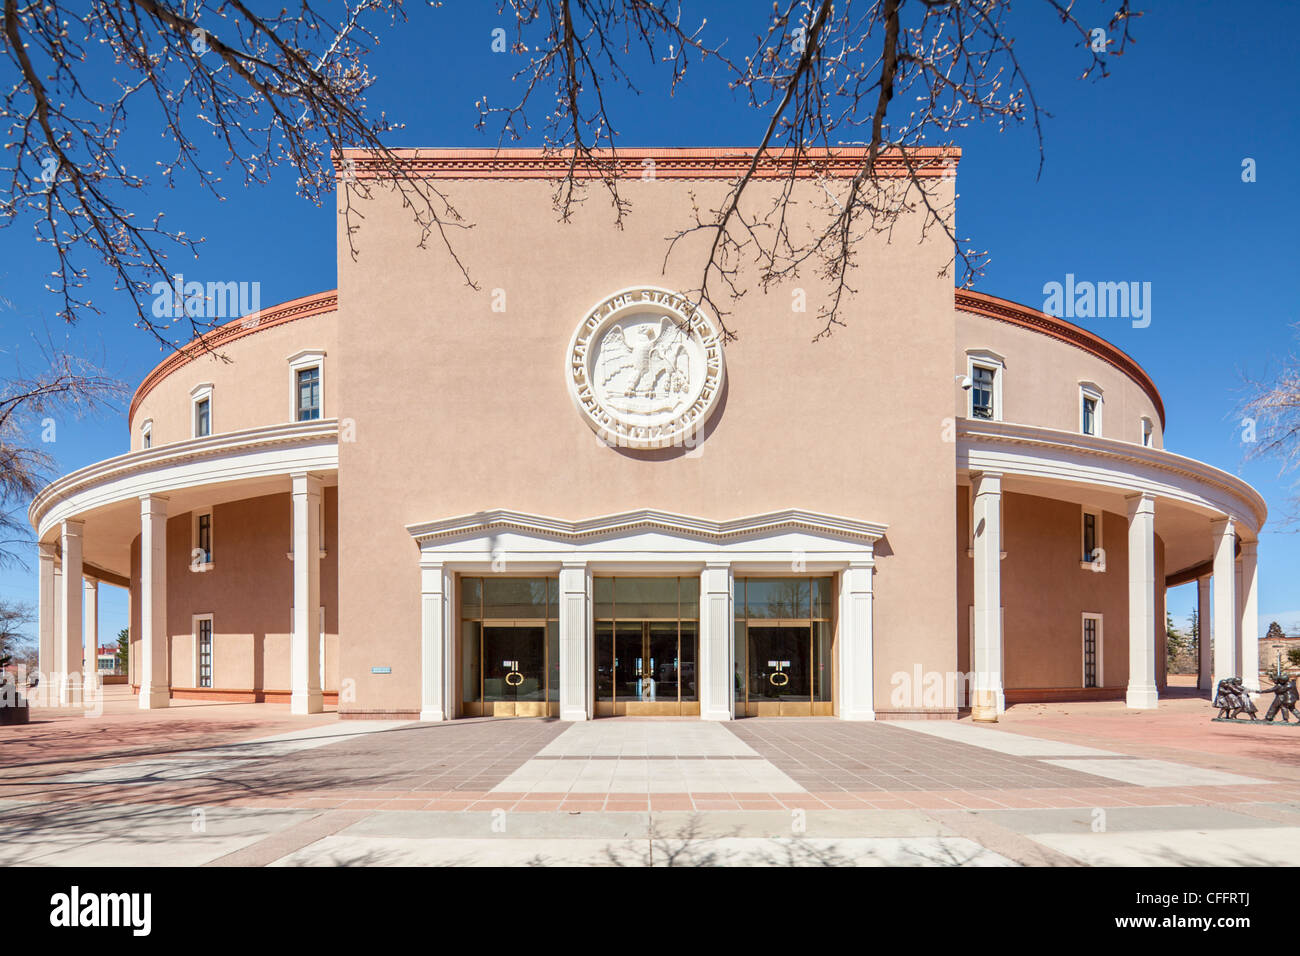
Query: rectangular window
[1146, 432]
[1091, 650]
[1089, 415]
[147, 439]
[308, 392]
[204, 538]
[205, 652]
[1089, 536]
[202, 417]
[981, 396]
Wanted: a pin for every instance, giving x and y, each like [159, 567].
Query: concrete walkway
[247, 785]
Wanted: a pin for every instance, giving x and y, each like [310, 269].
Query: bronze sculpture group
[1232, 699]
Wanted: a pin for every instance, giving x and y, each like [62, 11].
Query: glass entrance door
[784, 647]
[780, 669]
[514, 671]
[647, 636]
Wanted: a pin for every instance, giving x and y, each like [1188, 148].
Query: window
[201, 542]
[981, 395]
[984, 368]
[204, 543]
[146, 434]
[306, 385]
[1148, 432]
[203, 650]
[308, 403]
[1092, 674]
[201, 418]
[1089, 409]
[1092, 554]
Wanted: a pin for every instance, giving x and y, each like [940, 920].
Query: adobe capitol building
[562, 494]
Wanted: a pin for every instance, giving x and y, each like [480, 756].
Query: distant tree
[1175, 642]
[123, 650]
[1194, 628]
[15, 617]
[1275, 632]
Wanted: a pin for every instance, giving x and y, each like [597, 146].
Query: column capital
[46, 552]
[72, 525]
[1223, 526]
[90, 584]
[986, 482]
[305, 483]
[1141, 503]
[1249, 548]
[153, 505]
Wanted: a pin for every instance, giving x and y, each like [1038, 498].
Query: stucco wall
[458, 408]
[248, 591]
[253, 388]
[1041, 381]
[1045, 594]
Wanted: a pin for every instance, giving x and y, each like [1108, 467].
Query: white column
[1205, 662]
[717, 636]
[437, 597]
[70, 638]
[90, 636]
[1225, 600]
[305, 692]
[576, 691]
[48, 659]
[1141, 693]
[155, 690]
[1249, 628]
[857, 676]
[988, 698]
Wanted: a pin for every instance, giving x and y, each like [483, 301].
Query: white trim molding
[232, 456]
[201, 393]
[300, 361]
[647, 542]
[1083, 648]
[1125, 467]
[985, 358]
[194, 633]
[1091, 390]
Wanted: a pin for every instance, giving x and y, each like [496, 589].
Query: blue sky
[1142, 182]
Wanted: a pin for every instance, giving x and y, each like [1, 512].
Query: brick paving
[462, 765]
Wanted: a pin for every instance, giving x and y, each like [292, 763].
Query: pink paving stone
[581, 805]
[759, 804]
[671, 802]
[404, 804]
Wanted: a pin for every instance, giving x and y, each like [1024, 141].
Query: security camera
[966, 383]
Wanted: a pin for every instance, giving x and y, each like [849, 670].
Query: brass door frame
[645, 708]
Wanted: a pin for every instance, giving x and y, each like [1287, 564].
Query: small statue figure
[1285, 698]
[1232, 699]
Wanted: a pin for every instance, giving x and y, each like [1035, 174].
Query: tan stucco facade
[448, 446]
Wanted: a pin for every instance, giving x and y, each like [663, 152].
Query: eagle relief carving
[644, 367]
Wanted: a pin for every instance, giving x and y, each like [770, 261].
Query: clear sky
[1142, 182]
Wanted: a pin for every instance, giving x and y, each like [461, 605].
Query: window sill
[1091, 566]
[205, 566]
[970, 553]
[289, 554]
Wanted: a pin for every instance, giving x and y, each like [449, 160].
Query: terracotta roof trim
[1004, 310]
[305, 307]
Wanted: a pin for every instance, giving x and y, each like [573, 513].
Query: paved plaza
[238, 784]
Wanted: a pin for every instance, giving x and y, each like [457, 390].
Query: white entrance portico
[650, 543]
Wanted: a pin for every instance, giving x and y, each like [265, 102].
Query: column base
[1141, 698]
[858, 715]
[716, 715]
[573, 714]
[153, 698]
[307, 702]
[986, 705]
[432, 716]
